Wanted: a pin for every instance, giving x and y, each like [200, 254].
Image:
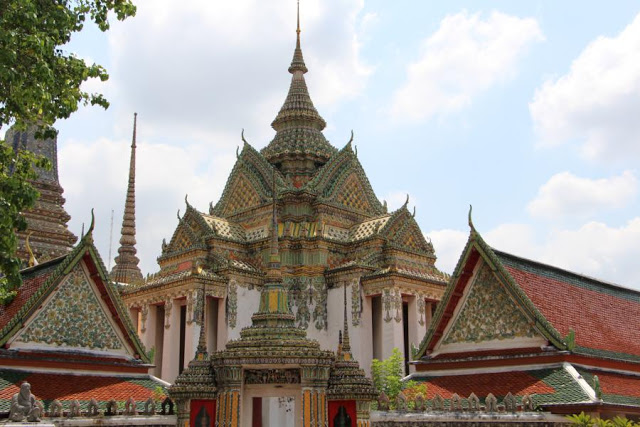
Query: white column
[364, 335]
[148, 327]
[211, 322]
[222, 324]
[171, 345]
[392, 332]
[416, 322]
[191, 335]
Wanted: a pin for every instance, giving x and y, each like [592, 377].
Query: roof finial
[126, 268]
[297, 63]
[470, 220]
[32, 258]
[298, 29]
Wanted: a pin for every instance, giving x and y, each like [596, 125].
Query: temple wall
[451, 419]
[247, 303]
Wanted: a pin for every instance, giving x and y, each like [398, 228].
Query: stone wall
[451, 419]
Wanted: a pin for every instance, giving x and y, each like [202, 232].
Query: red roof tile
[614, 383]
[499, 383]
[67, 387]
[33, 278]
[597, 314]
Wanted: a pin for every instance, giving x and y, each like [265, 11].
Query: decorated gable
[248, 186]
[183, 239]
[487, 317]
[343, 181]
[403, 230]
[74, 316]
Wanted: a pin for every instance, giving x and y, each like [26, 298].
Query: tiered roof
[347, 381]
[298, 125]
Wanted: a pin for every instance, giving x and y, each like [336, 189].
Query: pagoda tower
[330, 231]
[47, 221]
[126, 268]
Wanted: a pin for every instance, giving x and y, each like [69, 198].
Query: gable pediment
[183, 239]
[488, 317]
[249, 184]
[405, 232]
[343, 181]
[73, 317]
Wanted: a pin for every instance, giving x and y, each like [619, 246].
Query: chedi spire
[126, 268]
[299, 146]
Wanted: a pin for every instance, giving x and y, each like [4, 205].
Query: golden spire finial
[32, 258]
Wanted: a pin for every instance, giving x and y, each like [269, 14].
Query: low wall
[471, 419]
[118, 420]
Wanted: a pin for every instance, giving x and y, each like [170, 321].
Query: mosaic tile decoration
[73, 317]
[488, 314]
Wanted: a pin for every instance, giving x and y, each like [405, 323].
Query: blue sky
[527, 110]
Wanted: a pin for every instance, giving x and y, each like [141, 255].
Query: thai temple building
[269, 306]
[271, 367]
[509, 326]
[332, 232]
[47, 230]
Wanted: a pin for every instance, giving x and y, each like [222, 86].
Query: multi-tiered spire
[47, 220]
[126, 269]
[299, 146]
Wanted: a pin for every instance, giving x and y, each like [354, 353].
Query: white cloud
[597, 101]
[448, 245]
[595, 249]
[164, 175]
[466, 56]
[567, 194]
[209, 67]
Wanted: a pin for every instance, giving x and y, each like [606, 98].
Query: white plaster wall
[248, 303]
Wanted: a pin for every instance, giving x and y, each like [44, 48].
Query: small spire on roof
[201, 351]
[32, 258]
[297, 63]
[345, 348]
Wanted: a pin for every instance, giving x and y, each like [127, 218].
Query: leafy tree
[39, 84]
[387, 374]
[387, 377]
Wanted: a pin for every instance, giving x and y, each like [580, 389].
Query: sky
[526, 110]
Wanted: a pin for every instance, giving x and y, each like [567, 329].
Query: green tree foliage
[387, 377]
[387, 374]
[16, 194]
[39, 84]
[586, 420]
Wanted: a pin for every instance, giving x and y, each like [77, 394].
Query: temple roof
[66, 387]
[546, 386]
[597, 311]
[44, 282]
[556, 304]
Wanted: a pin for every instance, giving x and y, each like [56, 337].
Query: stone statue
[23, 405]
